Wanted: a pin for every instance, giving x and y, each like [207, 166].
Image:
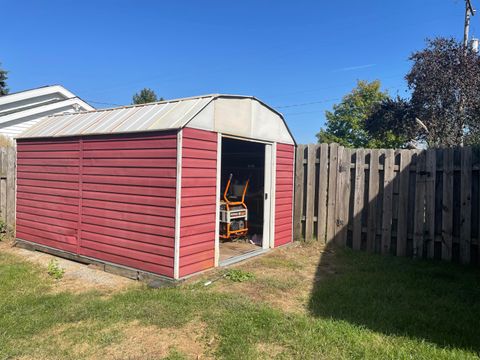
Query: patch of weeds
[238, 275]
[55, 270]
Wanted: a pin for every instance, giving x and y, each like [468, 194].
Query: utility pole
[469, 11]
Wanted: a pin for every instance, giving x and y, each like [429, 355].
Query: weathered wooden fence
[420, 203]
[7, 185]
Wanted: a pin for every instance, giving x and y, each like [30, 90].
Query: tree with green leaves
[346, 124]
[3, 82]
[145, 96]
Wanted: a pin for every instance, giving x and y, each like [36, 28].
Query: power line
[318, 101]
[307, 103]
[103, 103]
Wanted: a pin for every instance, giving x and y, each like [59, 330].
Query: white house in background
[21, 110]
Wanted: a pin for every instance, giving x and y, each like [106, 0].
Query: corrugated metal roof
[172, 114]
[236, 115]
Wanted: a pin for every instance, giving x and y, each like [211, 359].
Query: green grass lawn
[368, 306]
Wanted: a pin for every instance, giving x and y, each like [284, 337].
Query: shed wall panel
[284, 194]
[108, 197]
[198, 201]
[47, 198]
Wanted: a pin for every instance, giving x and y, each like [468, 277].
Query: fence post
[322, 192]
[11, 188]
[3, 184]
[298, 207]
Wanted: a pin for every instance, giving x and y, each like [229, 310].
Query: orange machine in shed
[233, 211]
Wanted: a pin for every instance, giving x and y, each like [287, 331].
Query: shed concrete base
[154, 279]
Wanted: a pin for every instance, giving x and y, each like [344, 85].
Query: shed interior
[244, 160]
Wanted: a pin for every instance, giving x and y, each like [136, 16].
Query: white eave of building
[19, 111]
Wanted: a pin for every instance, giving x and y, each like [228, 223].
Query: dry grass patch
[80, 340]
[150, 342]
[284, 278]
[133, 340]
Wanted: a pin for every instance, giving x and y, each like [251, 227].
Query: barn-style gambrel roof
[236, 115]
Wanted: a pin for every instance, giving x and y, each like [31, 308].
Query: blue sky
[298, 56]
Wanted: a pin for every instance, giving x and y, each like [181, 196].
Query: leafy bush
[238, 275]
[54, 269]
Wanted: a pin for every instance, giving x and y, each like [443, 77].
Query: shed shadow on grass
[425, 300]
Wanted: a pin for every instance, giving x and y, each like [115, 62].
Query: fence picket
[419, 206]
[322, 192]
[373, 189]
[332, 189]
[388, 170]
[430, 167]
[341, 208]
[347, 157]
[310, 197]
[447, 205]
[466, 204]
[358, 198]
[404, 173]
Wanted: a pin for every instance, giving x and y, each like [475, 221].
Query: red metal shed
[140, 186]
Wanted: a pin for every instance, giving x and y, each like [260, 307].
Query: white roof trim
[27, 94]
[39, 110]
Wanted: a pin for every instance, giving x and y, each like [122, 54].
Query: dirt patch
[78, 277]
[149, 342]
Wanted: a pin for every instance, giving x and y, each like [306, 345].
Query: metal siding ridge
[178, 207]
[80, 197]
[112, 121]
[156, 109]
[127, 114]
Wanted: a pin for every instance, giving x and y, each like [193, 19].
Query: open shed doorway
[243, 161]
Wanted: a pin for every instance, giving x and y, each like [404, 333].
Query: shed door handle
[266, 196]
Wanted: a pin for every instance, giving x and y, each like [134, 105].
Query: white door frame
[267, 225]
[269, 205]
